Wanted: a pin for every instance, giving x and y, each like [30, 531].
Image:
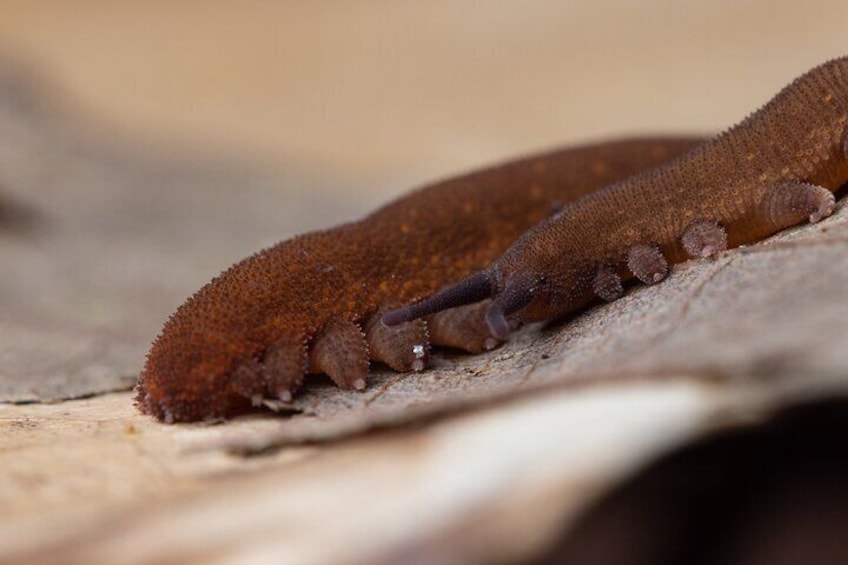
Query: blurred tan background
[382, 94]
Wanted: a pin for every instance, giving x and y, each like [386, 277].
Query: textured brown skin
[777, 168]
[214, 354]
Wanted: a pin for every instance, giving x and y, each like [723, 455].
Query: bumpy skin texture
[313, 304]
[777, 168]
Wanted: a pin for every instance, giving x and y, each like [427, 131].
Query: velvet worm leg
[463, 327]
[607, 284]
[790, 203]
[647, 263]
[341, 352]
[247, 381]
[404, 348]
[284, 366]
[704, 238]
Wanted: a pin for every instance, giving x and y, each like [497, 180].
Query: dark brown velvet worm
[777, 168]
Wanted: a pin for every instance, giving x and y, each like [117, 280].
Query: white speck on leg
[418, 350]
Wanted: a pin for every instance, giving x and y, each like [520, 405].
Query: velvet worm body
[474, 256]
[776, 169]
[313, 304]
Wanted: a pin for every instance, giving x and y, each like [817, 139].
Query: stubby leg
[790, 203]
[647, 263]
[341, 352]
[404, 348]
[607, 284]
[704, 238]
[464, 328]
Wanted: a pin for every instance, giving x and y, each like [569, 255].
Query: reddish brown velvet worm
[591, 218]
